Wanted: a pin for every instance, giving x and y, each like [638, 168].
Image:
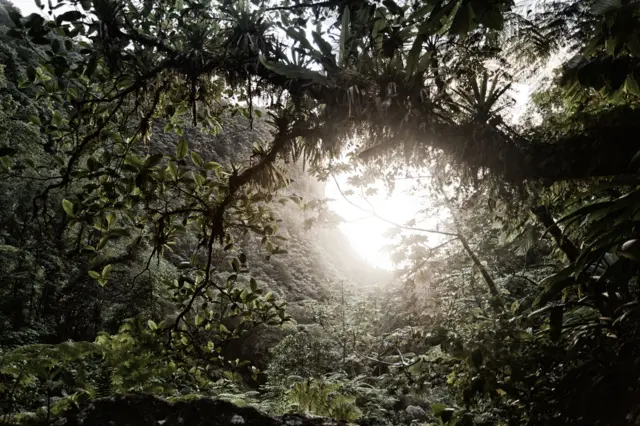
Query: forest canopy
[161, 226]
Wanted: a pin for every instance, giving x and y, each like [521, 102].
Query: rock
[407, 400]
[147, 410]
[416, 412]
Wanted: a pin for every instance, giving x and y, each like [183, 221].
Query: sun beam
[366, 220]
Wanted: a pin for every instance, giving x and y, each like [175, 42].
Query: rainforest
[180, 181]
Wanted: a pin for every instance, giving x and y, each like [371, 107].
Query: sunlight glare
[365, 231]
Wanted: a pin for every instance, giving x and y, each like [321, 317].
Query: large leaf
[294, 71]
[344, 36]
[68, 207]
[182, 148]
[554, 284]
[324, 45]
[414, 54]
[298, 35]
[463, 21]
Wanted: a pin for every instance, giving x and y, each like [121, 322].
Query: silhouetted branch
[390, 222]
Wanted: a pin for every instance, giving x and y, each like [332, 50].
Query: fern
[104, 383]
[324, 398]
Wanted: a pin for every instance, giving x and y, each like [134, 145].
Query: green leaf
[212, 165]
[631, 85]
[93, 164]
[68, 207]
[379, 25]
[103, 242]
[421, 12]
[555, 284]
[111, 218]
[6, 162]
[182, 148]
[253, 284]
[30, 163]
[198, 320]
[106, 270]
[299, 36]
[197, 159]
[172, 169]
[153, 160]
[95, 275]
[223, 329]
[325, 46]
[152, 325]
[92, 65]
[438, 409]
[56, 119]
[236, 265]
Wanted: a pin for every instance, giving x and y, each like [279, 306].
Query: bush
[304, 355]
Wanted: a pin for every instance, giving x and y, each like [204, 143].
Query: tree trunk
[565, 244]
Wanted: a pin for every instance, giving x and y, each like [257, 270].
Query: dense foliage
[163, 230]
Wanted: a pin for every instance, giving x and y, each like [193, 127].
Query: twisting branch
[75, 157]
[417, 268]
[198, 290]
[236, 182]
[493, 288]
[390, 222]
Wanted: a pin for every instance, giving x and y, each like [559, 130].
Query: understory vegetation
[164, 228]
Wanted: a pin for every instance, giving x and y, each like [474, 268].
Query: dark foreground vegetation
[167, 255]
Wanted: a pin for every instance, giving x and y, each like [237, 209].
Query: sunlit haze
[364, 230]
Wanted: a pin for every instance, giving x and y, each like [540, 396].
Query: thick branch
[603, 149]
[493, 288]
[565, 244]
